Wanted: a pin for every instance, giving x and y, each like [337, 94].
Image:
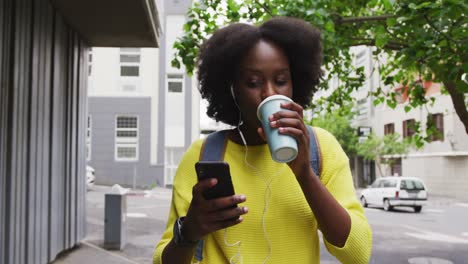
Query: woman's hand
[292, 123]
[207, 216]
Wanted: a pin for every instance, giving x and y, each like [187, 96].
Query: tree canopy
[383, 150]
[338, 122]
[419, 41]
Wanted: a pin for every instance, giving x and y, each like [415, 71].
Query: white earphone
[240, 116]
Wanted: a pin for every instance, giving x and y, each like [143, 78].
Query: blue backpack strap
[213, 149]
[315, 161]
[214, 146]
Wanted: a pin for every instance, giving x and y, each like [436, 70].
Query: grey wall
[42, 136]
[103, 111]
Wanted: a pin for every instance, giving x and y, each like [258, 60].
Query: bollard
[115, 221]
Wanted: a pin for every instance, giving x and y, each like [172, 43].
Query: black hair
[219, 60]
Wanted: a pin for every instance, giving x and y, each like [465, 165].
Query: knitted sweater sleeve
[336, 176]
[184, 180]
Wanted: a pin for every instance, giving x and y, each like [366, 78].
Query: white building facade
[143, 113]
[443, 162]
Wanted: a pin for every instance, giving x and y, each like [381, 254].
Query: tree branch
[371, 42]
[438, 31]
[458, 99]
[345, 20]
[265, 8]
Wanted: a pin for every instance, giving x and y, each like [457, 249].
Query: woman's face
[264, 71]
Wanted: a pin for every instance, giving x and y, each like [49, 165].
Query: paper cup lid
[270, 98]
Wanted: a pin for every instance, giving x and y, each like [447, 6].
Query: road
[437, 235]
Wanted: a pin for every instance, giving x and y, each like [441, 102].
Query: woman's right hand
[207, 216]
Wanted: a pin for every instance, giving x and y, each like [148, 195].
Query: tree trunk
[458, 99]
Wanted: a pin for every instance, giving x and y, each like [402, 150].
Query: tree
[420, 40]
[338, 122]
[383, 150]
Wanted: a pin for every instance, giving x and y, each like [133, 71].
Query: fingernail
[273, 123]
[241, 218]
[245, 210]
[242, 197]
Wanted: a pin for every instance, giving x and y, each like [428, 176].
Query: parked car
[388, 192]
[90, 176]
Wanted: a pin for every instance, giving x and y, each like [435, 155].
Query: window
[175, 83]
[362, 108]
[130, 62]
[438, 121]
[389, 128]
[90, 62]
[126, 138]
[361, 58]
[376, 184]
[389, 184]
[409, 128]
[88, 139]
[411, 185]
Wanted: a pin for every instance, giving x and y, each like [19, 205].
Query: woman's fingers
[201, 186]
[227, 214]
[224, 202]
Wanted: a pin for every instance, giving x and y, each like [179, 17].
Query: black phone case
[220, 171]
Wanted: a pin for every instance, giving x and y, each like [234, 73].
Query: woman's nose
[268, 90]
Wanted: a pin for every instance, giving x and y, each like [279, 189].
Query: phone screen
[220, 171]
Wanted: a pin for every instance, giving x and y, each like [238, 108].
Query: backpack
[214, 147]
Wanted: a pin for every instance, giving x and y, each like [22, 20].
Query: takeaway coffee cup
[283, 148]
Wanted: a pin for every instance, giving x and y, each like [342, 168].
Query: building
[143, 113]
[443, 162]
[43, 108]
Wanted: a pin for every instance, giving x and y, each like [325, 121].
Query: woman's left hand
[292, 123]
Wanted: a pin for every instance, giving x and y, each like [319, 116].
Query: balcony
[113, 23]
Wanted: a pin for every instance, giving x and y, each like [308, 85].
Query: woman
[280, 207]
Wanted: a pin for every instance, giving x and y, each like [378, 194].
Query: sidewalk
[146, 219]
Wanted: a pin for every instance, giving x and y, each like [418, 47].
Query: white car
[90, 176]
[388, 192]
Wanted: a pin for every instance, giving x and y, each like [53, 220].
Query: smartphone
[220, 171]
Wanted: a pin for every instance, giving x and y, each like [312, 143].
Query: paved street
[437, 235]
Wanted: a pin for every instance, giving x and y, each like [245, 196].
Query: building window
[175, 83]
[126, 138]
[438, 121]
[362, 108]
[130, 62]
[88, 139]
[361, 58]
[389, 129]
[409, 128]
[90, 62]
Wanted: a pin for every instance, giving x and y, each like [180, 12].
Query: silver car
[389, 192]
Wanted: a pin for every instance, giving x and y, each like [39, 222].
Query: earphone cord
[266, 196]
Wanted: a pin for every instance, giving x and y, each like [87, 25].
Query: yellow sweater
[290, 224]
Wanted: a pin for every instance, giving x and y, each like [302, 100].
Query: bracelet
[179, 239]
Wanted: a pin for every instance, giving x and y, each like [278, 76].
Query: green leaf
[407, 108]
[330, 26]
[387, 4]
[423, 5]
[391, 21]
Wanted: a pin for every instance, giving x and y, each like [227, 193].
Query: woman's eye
[281, 82]
[253, 84]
